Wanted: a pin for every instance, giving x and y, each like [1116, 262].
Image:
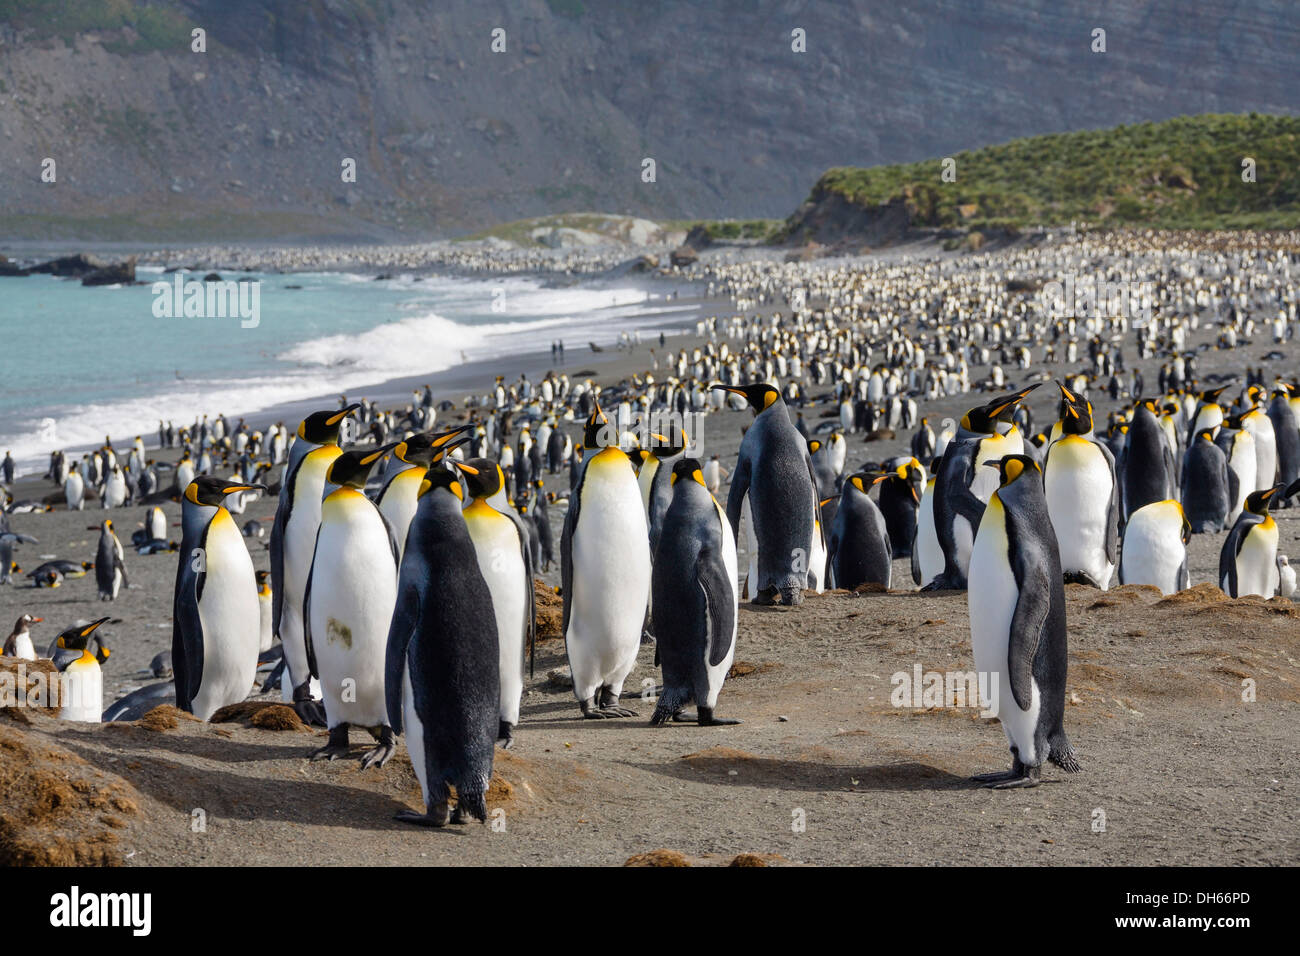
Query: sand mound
[550, 612]
[757, 859]
[18, 679]
[164, 717]
[1200, 594]
[658, 858]
[57, 809]
[746, 668]
[267, 715]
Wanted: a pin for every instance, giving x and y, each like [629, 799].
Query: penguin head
[760, 395]
[423, 448]
[1208, 434]
[688, 469]
[599, 432]
[482, 477]
[76, 637]
[1211, 396]
[1076, 413]
[985, 418]
[1258, 502]
[211, 491]
[322, 428]
[352, 468]
[1011, 467]
[25, 622]
[439, 477]
[665, 447]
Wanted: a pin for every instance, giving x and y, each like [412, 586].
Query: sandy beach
[825, 769]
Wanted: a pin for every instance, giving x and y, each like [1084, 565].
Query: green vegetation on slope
[155, 28]
[1183, 173]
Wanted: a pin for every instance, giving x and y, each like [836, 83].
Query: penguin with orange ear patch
[860, 551]
[696, 597]
[1016, 598]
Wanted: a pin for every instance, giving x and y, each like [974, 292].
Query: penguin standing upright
[1016, 600]
[859, 552]
[1155, 547]
[962, 487]
[19, 642]
[293, 543]
[400, 495]
[155, 524]
[1148, 473]
[81, 679]
[1248, 560]
[1286, 432]
[1207, 485]
[927, 555]
[900, 498]
[605, 571]
[1082, 497]
[440, 674]
[215, 617]
[695, 574]
[774, 474]
[110, 571]
[348, 608]
[501, 544]
[266, 636]
[74, 491]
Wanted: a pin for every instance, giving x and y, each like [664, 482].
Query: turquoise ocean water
[77, 363]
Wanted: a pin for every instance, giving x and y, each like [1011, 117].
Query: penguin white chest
[1153, 547]
[611, 576]
[230, 617]
[401, 498]
[501, 562]
[1078, 484]
[81, 691]
[929, 552]
[23, 647]
[991, 598]
[353, 590]
[1257, 561]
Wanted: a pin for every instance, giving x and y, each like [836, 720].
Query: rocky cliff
[249, 138]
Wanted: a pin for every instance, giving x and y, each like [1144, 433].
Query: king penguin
[110, 571]
[1248, 560]
[1148, 473]
[859, 552]
[605, 571]
[774, 473]
[1155, 547]
[400, 495]
[1016, 600]
[1207, 494]
[440, 674]
[695, 588]
[293, 543]
[266, 637]
[1082, 496]
[502, 545]
[81, 679]
[216, 622]
[348, 608]
[962, 486]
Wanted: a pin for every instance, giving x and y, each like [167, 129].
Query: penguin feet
[766, 597]
[380, 755]
[337, 747]
[505, 734]
[438, 816]
[609, 705]
[310, 710]
[1018, 777]
[706, 719]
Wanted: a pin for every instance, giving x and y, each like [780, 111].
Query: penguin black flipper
[1033, 615]
[1112, 509]
[187, 632]
[277, 559]
[916, 556]
[736, 495]
[406, 618]
[306, 616]
[566, 551]
[720, 609]
[273, 679]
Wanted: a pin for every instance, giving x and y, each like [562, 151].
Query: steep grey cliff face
[249, 137]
